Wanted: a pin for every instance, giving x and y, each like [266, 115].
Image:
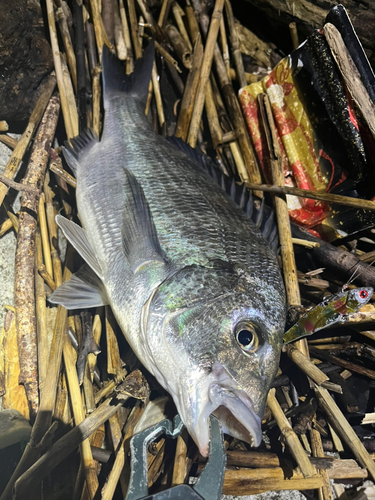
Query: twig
[163, 12]
[178, 13]
[164, 53]
[25, 256]
[159, 102]
[225, 48]
[13, 164]
[205, 73]
[16, 185]
[95, 74]
[305, 243]
[45, 237]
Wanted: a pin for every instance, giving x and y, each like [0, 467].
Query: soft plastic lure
[335, 309]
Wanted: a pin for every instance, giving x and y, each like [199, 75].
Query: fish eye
[247, 337]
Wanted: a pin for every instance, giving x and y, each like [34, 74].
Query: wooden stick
[290, 437]
[45, 237]
[14, 162]
[344, 429]
[25, 257]
[65, 35]
[134, 29]
[314, 195]
[72, 106]
[41, 313]
[294, 35]
[351, 75]
[237, 56]
[205, 72]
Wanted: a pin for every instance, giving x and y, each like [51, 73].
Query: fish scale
[183, 268]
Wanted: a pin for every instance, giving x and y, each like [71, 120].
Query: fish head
[215, 338]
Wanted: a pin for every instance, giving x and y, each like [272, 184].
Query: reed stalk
[237, 56]
[41, 313]
[134, 29]
[178, 13]
[45, 236]
[65, 35]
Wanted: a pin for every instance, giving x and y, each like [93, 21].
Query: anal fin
[83, 290]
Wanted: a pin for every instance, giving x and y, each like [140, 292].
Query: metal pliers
[209, 484]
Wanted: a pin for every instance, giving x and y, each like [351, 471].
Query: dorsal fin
[79, 146]
[262, 217]
[116, 81]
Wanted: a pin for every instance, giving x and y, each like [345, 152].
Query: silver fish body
[194, 286]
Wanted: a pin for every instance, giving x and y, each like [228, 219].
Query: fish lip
[240, 405]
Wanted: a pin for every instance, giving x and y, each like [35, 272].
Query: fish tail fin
[116, 81]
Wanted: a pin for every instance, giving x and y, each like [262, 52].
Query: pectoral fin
[140, 239]
[84, 289]
[76, 235]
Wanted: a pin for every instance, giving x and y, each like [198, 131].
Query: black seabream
[194, 286]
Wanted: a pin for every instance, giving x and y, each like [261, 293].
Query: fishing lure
[334, 309]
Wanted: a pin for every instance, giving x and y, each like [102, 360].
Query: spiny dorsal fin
[84, 289]
[140, 239]
[116, 81]
[78, 146]
[76, 235]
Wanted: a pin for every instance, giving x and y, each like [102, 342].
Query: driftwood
[24, 278]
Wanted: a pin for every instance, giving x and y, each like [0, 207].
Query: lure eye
[363, 294]
[246, 337]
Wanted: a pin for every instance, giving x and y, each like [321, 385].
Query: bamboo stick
[178, 13]
[158, 99]
[121, 48]
[14, 162]
[47, 277]
[237, 56]
[134, 29]
[225, 48]
[181, 47]
[45, 237]
[344, 429]
[294, 35]
[315, 195]
[212, 117]
[252, 482]
[25, 257]
[44, 416]
[8, 141]
[317, 450]
[179, 466]
[205, 73]
[69, 92]
[114, 363]
[61, 81]
[57, 169]
[240, 164]
[65, 35]
[65, 445]
[290, 437]
[41, 313]
[100, 33]
[128, 44]
[52, 231]
[231, 101]
[79, 416]
[164, 53]
[283, 222]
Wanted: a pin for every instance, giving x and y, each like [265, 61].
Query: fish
[193, 284]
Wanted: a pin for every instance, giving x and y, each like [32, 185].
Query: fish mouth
[234, 409]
